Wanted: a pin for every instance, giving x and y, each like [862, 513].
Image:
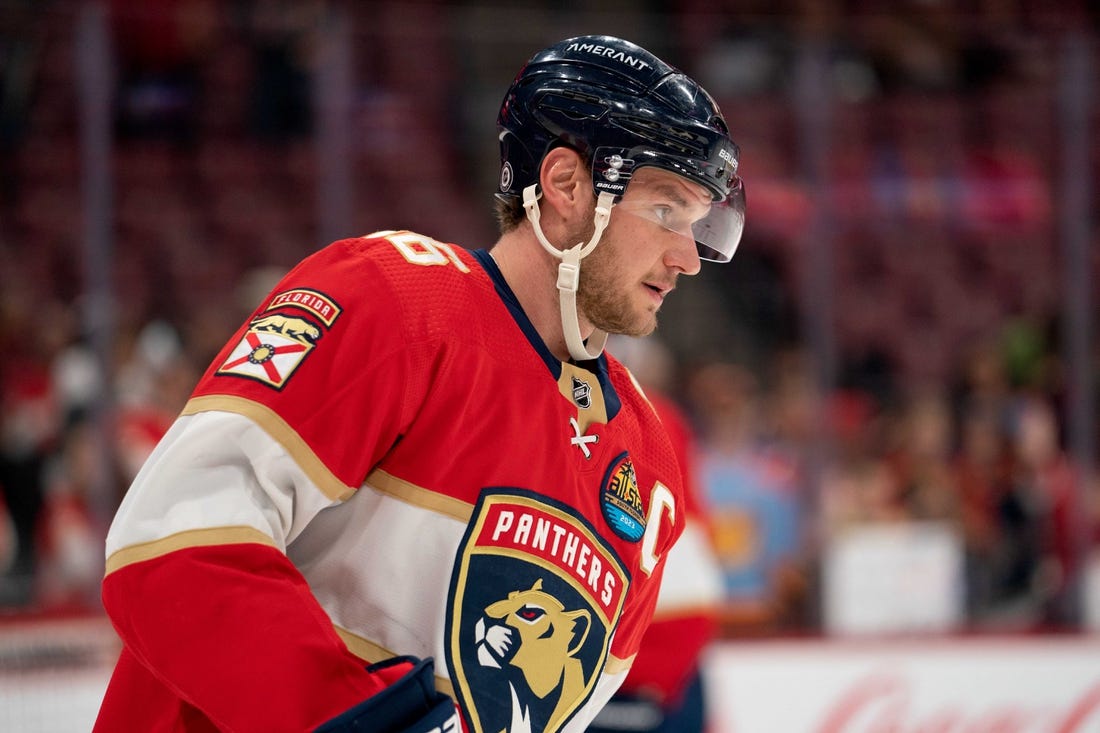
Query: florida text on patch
[279, 339]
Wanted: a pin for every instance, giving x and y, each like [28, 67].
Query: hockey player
[411, 493]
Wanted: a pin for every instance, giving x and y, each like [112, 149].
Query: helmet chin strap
[569, 273]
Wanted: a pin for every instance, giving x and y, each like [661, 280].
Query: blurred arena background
[893, 384]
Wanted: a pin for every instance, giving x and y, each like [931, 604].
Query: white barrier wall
[894, 579]
[1004, 685]
[53, 673]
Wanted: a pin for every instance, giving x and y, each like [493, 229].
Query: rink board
[1040, 684]
[53, 673]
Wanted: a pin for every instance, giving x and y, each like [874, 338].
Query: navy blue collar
[597, 366]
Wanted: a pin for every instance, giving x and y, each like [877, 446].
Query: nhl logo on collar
[621, 500]
[582, 393]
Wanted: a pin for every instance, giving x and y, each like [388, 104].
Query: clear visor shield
[716, 230]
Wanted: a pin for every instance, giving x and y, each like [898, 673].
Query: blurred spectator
[1043, 504]
[283, 40]
[982, 471]
[859, 486]
[69, 544]
[921, 459]
[752, 496]
[160, 46]
[20, 47]
[30, 423]
[980, 383]
[1006, 189]
[154, 382]
[26, 430]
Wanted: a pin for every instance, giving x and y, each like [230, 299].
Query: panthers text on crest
[533, 530]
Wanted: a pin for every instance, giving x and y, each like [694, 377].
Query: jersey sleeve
[304, 398]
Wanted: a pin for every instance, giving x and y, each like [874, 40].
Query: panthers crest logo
[534, 599]
[276, 343]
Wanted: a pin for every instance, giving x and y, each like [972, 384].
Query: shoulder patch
[535, 596]
[278, 341]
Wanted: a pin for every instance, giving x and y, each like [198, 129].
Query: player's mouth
[658, 291]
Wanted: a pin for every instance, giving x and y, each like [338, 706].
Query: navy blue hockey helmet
[622, 108]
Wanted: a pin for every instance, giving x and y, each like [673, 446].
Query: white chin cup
[569, 273]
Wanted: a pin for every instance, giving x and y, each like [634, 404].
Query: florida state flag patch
[535, 595]
[279, 339]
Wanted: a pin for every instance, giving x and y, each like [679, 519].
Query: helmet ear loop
[569, 271]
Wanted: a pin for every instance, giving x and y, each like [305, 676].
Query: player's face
[647, 245]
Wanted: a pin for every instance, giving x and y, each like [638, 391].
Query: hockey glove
[628, 714]
[410, 704]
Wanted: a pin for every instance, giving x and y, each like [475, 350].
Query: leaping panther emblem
[532, 632]
[535, 596]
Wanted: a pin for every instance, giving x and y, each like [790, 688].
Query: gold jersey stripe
[370, 652]
[615, 665]
[277, 428]
[184, 540]
[418, 496]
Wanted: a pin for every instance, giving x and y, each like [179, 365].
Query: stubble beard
[602, 294]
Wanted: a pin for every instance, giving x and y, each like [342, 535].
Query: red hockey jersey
[387, 460]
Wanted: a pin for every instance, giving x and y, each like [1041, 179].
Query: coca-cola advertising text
[1004, 685]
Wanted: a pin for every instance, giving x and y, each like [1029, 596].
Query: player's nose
[682, 254]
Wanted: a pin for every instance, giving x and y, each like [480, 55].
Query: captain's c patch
[535, 596]
[279, 339]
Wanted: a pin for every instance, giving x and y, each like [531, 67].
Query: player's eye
[671, 216]
[668, 214]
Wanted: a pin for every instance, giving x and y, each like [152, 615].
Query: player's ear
[565, 183]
